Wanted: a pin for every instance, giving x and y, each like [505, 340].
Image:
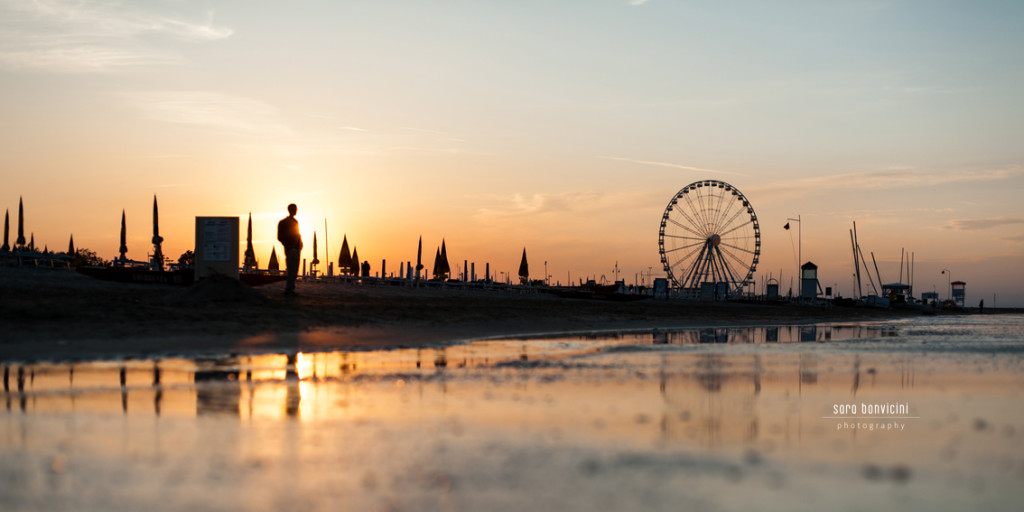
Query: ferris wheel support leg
[696, 271]
[730, 277]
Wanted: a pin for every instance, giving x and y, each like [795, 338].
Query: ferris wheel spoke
[736, 247]
[732, 220]
[683, 247]
[707, 211]
[684, 260]
[724, 208]
[740, 240]
[685, 227]
[741, 264]
[738, 227]
[699, 218]
[714, 210]
[698, 209]
[681, 237]
[688, 256]
[687, 217]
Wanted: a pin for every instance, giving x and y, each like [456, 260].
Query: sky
[562, 127]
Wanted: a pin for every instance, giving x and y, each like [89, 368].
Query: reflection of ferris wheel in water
[709, 234]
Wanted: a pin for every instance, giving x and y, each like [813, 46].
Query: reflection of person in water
[288, 235]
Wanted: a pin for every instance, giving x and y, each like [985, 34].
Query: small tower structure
[809, 281]
[959, 292]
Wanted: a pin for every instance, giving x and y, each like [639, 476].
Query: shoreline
[60, 315]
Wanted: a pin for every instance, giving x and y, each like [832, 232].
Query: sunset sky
[561, 126]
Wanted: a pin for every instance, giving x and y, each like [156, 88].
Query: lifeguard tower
[809, 281]
[958, 289]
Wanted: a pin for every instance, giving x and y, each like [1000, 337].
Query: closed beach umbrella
[419, 256]
[124, 235]
[158, 253]
[315, 260]
[250, 253]
[524, 268]
[21, 225]
[437, 264]
[7, 228]
[273, 264]
[344, 258]
[445, 269]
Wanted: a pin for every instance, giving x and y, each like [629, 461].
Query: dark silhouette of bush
[88, 257]
[187, 258]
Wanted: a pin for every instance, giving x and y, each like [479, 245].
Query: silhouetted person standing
[288, 235]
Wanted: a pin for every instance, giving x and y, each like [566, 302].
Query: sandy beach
[61, 315]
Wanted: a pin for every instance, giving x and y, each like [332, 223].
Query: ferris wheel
[709, 234]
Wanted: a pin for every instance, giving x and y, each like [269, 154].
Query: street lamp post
[949, 284]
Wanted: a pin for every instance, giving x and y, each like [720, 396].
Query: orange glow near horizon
[573, 251]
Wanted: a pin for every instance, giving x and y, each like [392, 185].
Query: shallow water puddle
[863, 416]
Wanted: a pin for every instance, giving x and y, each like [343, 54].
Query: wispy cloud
[1019, 239]
[88, 36]
[888, 179]
[980, 224]
[215, 111]
[535, 204]
[80, 59]
[575, 203]
[671, 165]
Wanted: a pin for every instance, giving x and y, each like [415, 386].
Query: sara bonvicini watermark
[871, 416]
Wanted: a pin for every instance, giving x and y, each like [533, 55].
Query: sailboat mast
[877, 274]
[867, 270]
[856, 262]
[902, 255]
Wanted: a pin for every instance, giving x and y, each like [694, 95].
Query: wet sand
[60, 315]
[713, 419]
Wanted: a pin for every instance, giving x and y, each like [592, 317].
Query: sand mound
[217, 288]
